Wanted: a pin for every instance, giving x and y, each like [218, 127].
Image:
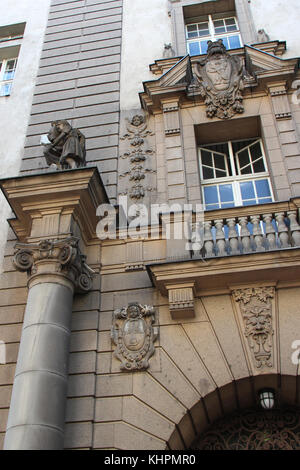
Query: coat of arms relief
[219, 79]
[134, 335]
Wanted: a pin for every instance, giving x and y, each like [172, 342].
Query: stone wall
[78, 80]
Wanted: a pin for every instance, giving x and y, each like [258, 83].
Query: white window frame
[3, 63]
[213, 36]
[235, 179]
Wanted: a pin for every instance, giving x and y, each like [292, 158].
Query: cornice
[56, 196]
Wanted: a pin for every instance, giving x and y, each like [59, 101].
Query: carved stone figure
[256, 310]
[168, 51]
[262, 36]
[67, 147]
[133, 334]
[220, 81]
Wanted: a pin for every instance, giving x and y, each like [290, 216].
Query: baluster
[245, 234]
[220, 238]
[294, 227]
[208, 240]
[282, 230]
[270, 231]
[257, 233]
[233, 237]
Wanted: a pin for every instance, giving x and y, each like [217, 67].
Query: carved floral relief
[255, 305]
[134, 335]
[137, 156]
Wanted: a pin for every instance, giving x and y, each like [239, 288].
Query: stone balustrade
[244, 230]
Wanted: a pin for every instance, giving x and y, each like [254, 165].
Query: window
[7, 73]
[226, 29]
[234, 174]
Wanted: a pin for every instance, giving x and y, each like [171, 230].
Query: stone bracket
[281, 105]
[181, 300]
[171, 118]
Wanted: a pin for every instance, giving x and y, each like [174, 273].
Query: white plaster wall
[146, 28]
[280, 19]
[15, 109]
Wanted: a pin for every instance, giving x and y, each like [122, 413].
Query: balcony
[245, 230]
[232, 248]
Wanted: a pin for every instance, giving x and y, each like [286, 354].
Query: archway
[236, 406]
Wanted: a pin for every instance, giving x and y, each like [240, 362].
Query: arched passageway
[232, 418]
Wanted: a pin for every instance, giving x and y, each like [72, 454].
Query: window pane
[230, 21]
[264, 201]
[234, 42]
[192, 31]
[203, 29]
[231, 28]
[211, 195]
[219, 161]
[204, 47]
[206, 158]
[247, 190]
[247, 170]
[243, 158]
[208, 173]
[226, 193]
[10, 64]
[263, 188]
[5, 89]
[259, 166]
[194, 48]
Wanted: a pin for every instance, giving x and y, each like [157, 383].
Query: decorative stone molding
[256, 312]
[137, 155]
[63, 256]
[181, 300]
[134, 335]
[219, 78]
[280, 101]
[171, 118]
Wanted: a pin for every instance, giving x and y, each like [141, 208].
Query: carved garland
[133, 334]
[137, 155]
[256, 310]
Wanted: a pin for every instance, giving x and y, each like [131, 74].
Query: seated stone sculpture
[66, 148]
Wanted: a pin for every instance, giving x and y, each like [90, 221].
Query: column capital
[55, 261]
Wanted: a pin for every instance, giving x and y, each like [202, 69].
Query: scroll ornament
[64, 253]
[256, 309]
[219, 77]
[134, 335]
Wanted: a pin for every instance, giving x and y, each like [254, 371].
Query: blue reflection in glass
[226, 193]
[204, 47]
[234, 42]
[247, 190]
[194, 48]
[211, 194]
[262, 188]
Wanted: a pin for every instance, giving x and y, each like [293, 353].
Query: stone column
[37, 413]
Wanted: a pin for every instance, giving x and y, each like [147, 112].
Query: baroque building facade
[123, 331]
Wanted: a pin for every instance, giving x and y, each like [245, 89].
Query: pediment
[264, 61]
[178, 75]
[259, 67]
